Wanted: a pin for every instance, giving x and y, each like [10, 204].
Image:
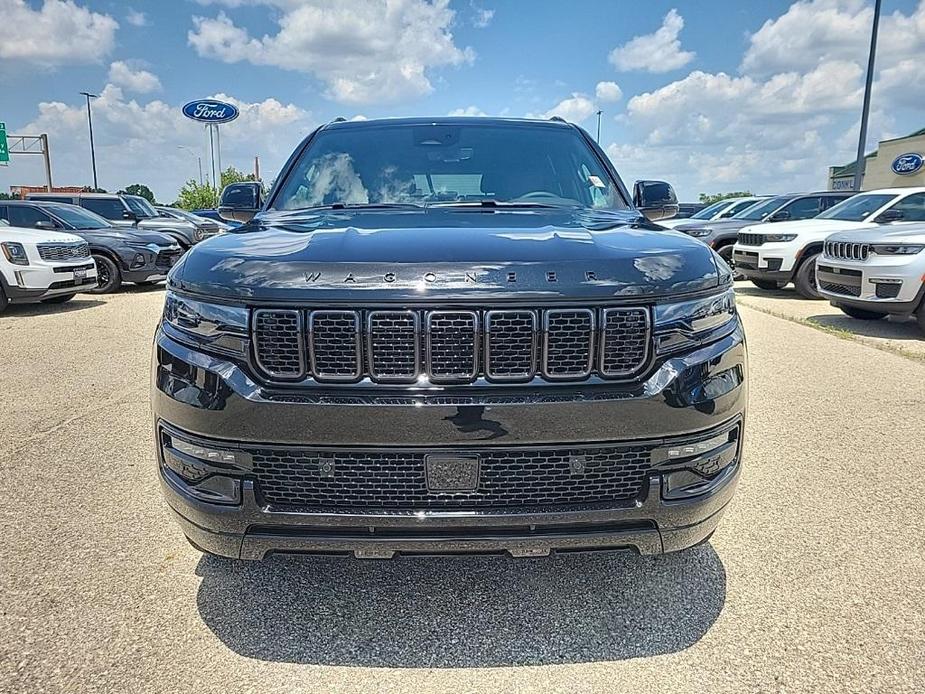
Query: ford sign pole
[212, 113]
[865, 110]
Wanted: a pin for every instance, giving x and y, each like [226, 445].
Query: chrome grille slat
[568, 342]
[334, 345]
[279, 343]
[64, 251]
[847, 250]
[452, 346]
[624, 341]
[393, 345]
[510, 344]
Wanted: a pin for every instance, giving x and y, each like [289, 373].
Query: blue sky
[709, 95]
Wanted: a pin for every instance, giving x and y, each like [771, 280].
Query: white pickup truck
[40, 265]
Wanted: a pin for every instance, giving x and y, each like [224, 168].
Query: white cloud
[365, 52]
[131, 135]
[467, 111]
[136, 18]
[60, 33]
[658, 52]
[481, 17]
[608, 91]
[574, 109]
[138, 80]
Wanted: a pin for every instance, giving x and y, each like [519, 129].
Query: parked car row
[53, 248]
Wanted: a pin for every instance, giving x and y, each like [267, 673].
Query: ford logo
[907, 164]
[210, 111]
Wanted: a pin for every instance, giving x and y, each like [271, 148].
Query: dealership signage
[908, 164]
[210, 111]
[4, 148]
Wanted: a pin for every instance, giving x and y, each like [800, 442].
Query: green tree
[232, 175]
[710, 198]
[140, 189]
[6, 196]
[196, 196]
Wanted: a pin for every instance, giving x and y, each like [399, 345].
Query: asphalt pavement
[815, 580]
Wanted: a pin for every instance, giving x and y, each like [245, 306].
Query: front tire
[861, 314]
[919, 317]
[769, 285]
[108, 276]
[805, 278]
[64, 298]
[4, 302]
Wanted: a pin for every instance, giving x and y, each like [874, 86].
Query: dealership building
[896, 163]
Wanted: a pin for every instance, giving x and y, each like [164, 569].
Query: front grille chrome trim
[319, 373]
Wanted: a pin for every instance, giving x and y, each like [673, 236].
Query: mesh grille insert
[394, 345]
[334, 341]
[510, 344]
[452, 340]
[278, 342]
[624, 340]
[569, 335]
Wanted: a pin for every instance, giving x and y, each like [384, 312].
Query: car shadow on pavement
[785, 293]
[888, 328]
[48, 309]
[462, 612]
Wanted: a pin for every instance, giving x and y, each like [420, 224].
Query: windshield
[708, 212]
[761, 210]
[140, 206]
[858, 208]
[77, 217]
[402, 164]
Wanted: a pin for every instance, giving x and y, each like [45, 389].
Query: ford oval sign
[908, 164]
[210, 111]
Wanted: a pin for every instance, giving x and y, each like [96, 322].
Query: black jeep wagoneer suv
[448, 336]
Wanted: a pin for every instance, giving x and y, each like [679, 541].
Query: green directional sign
[4, 148]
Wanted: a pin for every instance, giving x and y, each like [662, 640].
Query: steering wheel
[536, 194]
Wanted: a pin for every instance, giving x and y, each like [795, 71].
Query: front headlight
[685, 324]
[697, 233]
[897, 249]
[778, 238]
[15, 253]
[212, 327]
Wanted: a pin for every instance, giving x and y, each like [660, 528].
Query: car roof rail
[339, 119]
[560, 119]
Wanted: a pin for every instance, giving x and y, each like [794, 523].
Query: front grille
[71, 268]
[843, 289]
[887, 290]
[452, 346]
[751, 239]
[64, 251]
[167, 259]
[846, 250]
[517, 477]
[745, 260]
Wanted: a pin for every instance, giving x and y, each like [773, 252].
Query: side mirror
[655, 199]
[45, 224]
[128, 214]
[887, 216]
[241, 201]
[780, 216]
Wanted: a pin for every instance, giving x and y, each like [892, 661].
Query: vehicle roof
[446, 120]
[76, 195]
[895, 191]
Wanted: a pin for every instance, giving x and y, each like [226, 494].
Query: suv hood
[24, 235]
[124, 235]
[820, 227]
[165, 223]
[720, 224]
[437, 253]
[907, 233]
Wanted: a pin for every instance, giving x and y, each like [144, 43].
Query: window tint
[739, 207]
[3, 214]
[53, 198]
[912, 207]
[104, 207]
[857, 208]
[26, 216]
[709, 211]
[760, 210]
[804, 208]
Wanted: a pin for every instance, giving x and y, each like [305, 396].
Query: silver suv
[132, 211]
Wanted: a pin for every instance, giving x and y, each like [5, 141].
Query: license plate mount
[452, 472]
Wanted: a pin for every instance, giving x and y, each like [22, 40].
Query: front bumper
[772, 262]
[891, 284]
[40, 281]
[215, 403]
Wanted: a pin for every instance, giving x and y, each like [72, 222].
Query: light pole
[92, 149]
[198, 159]
[599, 126]
[865, 109]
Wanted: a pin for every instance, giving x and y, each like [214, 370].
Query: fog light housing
[138, 261]
[205, 473]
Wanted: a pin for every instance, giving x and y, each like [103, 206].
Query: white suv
[871, 274]
[787, 252]
[39, 265]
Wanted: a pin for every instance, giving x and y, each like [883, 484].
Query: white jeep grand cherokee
[871, 274]
[773, 255]
[39, 265]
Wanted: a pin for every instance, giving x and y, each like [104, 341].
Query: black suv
[448, 336]
[121, 255]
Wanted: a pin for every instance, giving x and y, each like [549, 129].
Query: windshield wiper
[497, 203]
[360, 206]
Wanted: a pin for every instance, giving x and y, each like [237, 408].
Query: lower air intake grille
[887, 290]
[843, 289]
[312, 479]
